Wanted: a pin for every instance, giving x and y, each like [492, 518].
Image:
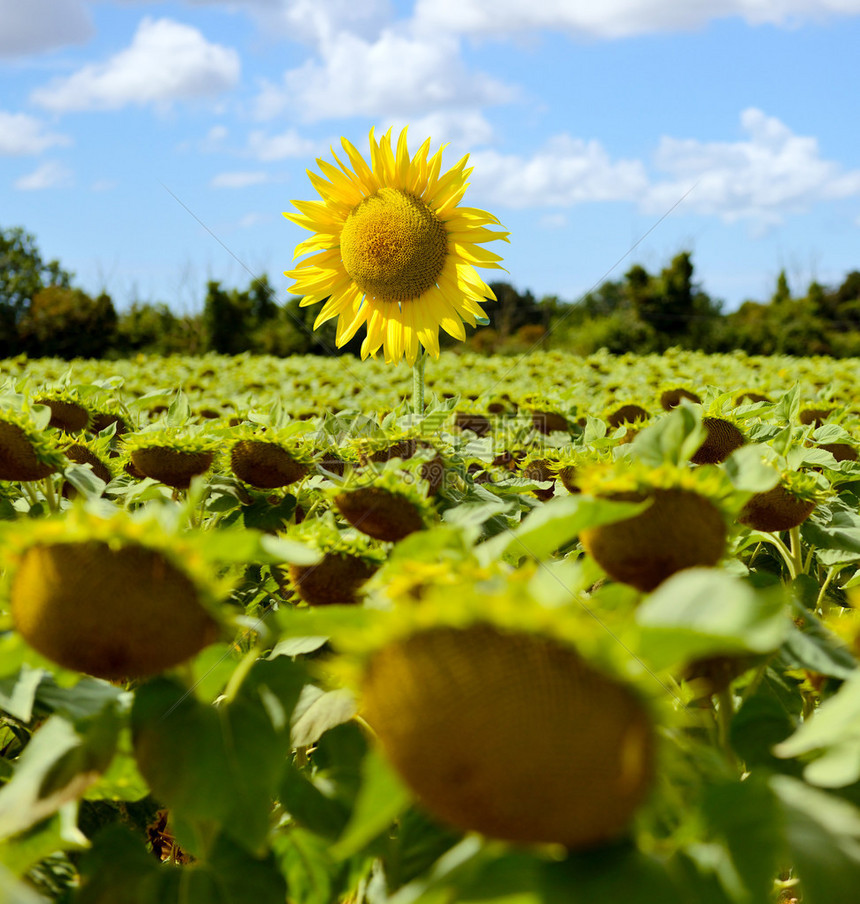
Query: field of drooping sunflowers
[572, 630]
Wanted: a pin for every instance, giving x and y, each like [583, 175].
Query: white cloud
[35, 26]
[23, 134]
[254, 219]
[49, 175]
[564, 172]
[279, 147]
[763, 178]
[318, 21]
[616, 18]
[166, 61]
[554, 221]
[399, 73]
[463, 129]
[768, 175]
[239, 179]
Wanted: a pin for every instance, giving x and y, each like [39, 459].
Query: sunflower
[392, 250]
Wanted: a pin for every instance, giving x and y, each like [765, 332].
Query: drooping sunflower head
[392, 250]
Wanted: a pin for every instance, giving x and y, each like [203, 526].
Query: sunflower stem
[240, 673]
[725, 714]
[796, 549]
[418, 384]
[819, 602]
[785, 552]
[30, 493]
[50, 495]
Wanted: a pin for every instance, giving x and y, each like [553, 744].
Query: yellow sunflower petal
[391, 249]
[427, 328]
[446, 314]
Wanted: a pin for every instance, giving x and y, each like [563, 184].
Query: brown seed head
[722, 439]
[680, 530]
[775, 510]
[336, 578]
[173, 467]
[265, 465]
[18, 459]
[379, 514]
[510, 735]
[112, 613]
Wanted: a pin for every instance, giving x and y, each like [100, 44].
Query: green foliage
[642, 312]
[154, 329]
[231, 317]
[248, 773]
[23, 273]
[67, 323]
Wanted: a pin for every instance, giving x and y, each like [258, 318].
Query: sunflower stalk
[725, 714]
[418, 384]
[796, 550]
[50, 495]
[819, 602]
[785, 552]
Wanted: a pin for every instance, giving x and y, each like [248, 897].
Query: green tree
[67, 323]
[154, 329]
[233, 318]
[815, 296]
[782, 292]
[23, 273]
[672, 303]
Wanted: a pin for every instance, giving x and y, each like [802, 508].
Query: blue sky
[151, 146]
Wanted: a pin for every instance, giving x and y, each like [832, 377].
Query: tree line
[42, 314]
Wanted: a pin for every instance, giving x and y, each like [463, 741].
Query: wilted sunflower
[392, 250]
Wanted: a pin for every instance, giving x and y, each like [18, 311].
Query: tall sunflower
[392, 250]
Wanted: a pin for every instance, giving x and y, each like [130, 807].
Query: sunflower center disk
[393, 246]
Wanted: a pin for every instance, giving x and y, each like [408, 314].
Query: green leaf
[310, 802]
[556, 523]
[14, 892]
[672, 439]
[58, 765]
[221, 765]
[610, 873]
[264, 516]
[761, 722]
[306, 863]
[381, 799]
[86, 698]
[212, 668]
[787, 407]
[18, 693]
[323, 621]
[179, 410]
[833, 530]
[84, 481]
[750, 469]
[706, 612]
[823, 837]
[119, 868]
[317, 711]
[296, 646]
[816, 648]
[748, 819]
[122, 779]
[470, 864]
[41, 416]
[282, 550]
[416, 844]
[57, 833]
[832, 731]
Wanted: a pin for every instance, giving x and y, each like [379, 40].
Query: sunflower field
[579, 630]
